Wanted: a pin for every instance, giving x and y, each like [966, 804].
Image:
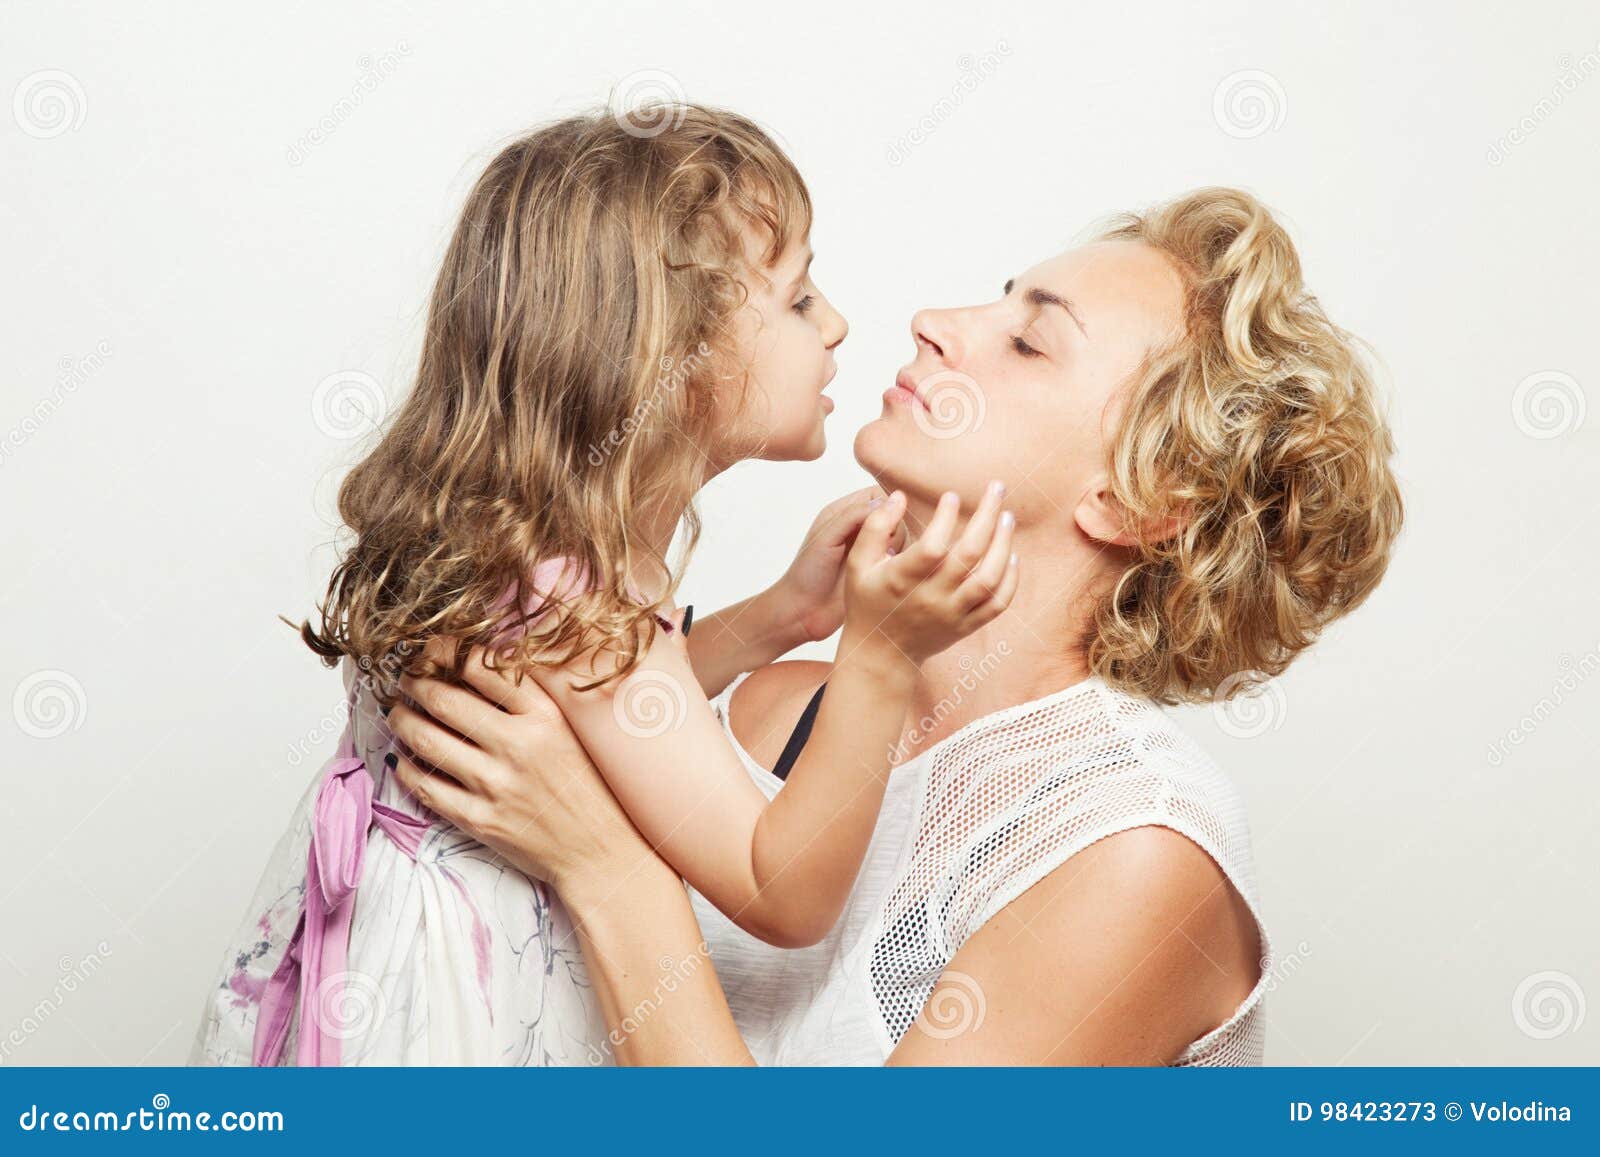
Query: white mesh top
[966, 827]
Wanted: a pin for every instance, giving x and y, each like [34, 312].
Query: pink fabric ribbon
[315, 959]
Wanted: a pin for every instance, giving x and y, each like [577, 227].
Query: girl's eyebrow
[1043, 297]
[804, 269]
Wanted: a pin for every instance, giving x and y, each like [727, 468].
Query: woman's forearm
[740, 638]
[650, 969]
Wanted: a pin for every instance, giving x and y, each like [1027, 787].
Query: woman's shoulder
[1111, 783]
[763, 707]
[1005, 805]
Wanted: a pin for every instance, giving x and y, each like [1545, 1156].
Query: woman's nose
[931, 329]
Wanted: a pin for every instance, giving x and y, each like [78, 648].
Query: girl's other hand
[938, 590]
[811, 592]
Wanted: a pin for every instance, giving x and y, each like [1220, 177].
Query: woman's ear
[1100, 516]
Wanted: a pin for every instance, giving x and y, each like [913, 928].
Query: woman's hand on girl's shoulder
[498, 759]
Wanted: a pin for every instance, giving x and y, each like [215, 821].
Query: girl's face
[786, 333]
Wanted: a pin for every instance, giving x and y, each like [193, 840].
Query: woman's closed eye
[1024, 348]
[804, 305]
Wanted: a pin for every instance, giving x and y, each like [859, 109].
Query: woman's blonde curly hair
[1260, 430]
[578, 360]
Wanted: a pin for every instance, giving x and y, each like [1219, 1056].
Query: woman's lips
[904, 391]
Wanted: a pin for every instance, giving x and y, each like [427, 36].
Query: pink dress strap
[313, 965]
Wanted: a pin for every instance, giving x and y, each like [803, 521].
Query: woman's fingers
[461, 709]
[436, 745]
[877, 531]
[498, 687]
[437, 792]
[492, 683]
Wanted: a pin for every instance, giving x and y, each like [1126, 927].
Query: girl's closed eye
[803, 306]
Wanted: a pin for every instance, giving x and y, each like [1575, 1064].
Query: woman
[1199, 472]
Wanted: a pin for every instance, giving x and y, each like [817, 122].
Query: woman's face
[1022, 388]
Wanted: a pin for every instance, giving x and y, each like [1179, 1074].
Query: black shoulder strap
[798, 737]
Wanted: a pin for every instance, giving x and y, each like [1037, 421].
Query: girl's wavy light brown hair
[577, 360]
[1260, 430]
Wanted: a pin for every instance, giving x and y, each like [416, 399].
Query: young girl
[620, 316]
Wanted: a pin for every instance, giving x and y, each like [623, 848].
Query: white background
[175, 288]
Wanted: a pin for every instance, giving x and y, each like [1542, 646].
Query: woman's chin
[875, 451]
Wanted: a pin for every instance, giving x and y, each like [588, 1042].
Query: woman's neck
[1030, 650]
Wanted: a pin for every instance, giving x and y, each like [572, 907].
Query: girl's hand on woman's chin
[811, 592]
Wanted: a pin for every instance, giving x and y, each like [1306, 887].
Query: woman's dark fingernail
[688, 618]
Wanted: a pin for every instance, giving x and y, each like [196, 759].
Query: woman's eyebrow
[1043, 297]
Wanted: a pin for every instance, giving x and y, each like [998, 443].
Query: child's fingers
[1008, 585]
[676, 636]
[877, 530]
[897, 542]
[925, 555]
[841, 519]
[985, 579]
[970, 549]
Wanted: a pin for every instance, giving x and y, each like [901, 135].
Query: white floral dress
[419, 945]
